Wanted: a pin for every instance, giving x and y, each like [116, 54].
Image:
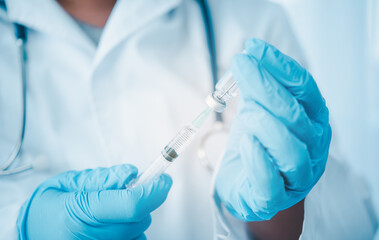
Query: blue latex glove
[92, 204]
[279, 141]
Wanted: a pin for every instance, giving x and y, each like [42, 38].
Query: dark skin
[288, 223]
[285, 225]
[94, 12]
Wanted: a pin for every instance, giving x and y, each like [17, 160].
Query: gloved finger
[291, 75]
[266, 191]
[112, 231]
[97, 179]
[127, 205]
[259, 86]
[127, 230]
[141, 237]
[289, 154]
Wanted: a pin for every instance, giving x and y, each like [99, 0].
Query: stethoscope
[21, 39]
[218, 127]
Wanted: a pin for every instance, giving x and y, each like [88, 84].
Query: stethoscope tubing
[20, 34]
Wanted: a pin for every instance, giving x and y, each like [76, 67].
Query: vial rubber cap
[215, 104]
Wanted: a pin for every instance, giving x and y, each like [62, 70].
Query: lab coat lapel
[126, 18]
[49, 17]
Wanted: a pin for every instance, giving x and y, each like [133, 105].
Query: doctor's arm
[278, 144]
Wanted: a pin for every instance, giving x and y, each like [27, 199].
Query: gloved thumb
[126, 205]
[97, 179]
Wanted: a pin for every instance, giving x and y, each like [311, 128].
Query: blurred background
[340, 39]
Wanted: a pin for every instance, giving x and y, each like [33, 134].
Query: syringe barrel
[158, 167]
[181, 140]
[168, 155]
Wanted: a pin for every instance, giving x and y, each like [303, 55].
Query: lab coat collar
[49, 17]
[126, 18]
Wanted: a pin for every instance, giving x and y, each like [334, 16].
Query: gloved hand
[92, 204]
[279, 141]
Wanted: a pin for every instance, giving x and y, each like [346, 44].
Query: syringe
[216, 101]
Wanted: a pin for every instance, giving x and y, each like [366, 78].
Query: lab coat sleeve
[339, 206]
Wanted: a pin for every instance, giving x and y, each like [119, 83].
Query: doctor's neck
[93, 12]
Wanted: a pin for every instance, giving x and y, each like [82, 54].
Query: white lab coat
[122, 101]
